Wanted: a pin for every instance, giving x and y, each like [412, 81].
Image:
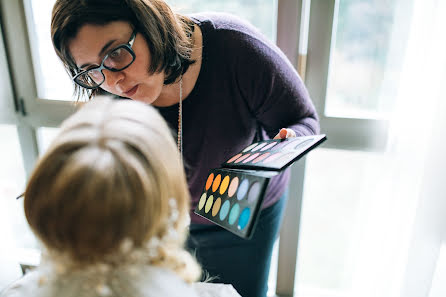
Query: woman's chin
[147, 100]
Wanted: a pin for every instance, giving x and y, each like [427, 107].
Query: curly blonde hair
[106, 178]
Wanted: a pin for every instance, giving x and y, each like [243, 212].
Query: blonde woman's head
[108, 177]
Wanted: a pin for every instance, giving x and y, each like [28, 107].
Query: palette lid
[274, 154]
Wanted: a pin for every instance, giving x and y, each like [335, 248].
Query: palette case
[232, 199]
[233, 195]
[274, 154]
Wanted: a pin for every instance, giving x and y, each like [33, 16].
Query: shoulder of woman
[215, 290]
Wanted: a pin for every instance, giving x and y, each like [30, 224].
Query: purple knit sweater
[244, 81]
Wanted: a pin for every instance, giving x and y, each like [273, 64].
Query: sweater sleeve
[272, 88]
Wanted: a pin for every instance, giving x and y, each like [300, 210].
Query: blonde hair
[108, 177]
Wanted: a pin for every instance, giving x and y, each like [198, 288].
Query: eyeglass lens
[116, 60]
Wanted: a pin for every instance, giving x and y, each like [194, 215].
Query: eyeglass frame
[101, 67]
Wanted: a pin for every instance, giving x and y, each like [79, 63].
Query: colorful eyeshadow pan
[202, 201]
[259, 146]
[269, 146]
[224, 184]
[261, 158]
[250, 147]
[274, 154]
[216, 207]
[224, 210]
[243, 157]
[234, 158]
[243, 189]
[250, 158]
[233, 215]
[254, 191]
[216, 183]
[236, 202]
[209, 181]
[244, 218]
[233, 186]
[208, 206]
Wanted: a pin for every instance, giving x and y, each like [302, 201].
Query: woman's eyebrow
[101, 52]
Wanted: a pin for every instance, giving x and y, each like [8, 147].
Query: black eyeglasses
[117, 59]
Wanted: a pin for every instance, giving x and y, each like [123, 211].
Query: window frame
[31, 111]
[342, 133]
[305, 34]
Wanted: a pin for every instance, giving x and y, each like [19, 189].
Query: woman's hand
[285, 133]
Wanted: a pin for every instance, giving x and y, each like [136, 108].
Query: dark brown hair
[167, 34]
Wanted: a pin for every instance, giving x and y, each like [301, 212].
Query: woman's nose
[112, 78]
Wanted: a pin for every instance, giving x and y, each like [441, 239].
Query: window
[362, 189]
[368, 42]
[12, 183]
[260, 13]
[45, 136]
[14, 230]
[50, 79]
[335, 217]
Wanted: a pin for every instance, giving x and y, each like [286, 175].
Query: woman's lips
[131, 92]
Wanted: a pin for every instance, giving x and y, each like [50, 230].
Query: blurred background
[367, 215]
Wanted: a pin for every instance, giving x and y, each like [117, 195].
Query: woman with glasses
[217, 81]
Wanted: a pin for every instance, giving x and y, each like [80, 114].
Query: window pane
[45, 136]
[335, 209]
[6, 97]
[14, 229]
[54, 83]
[368, 46]
[261, 13]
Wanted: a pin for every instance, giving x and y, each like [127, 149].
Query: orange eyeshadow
[216, 183]
[209, 181]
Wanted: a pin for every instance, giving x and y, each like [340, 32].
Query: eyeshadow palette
[232, 199]
[274, 154]
[232, 196]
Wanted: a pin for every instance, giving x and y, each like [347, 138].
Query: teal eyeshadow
[224, 210]
[244, 218]
[234, 213]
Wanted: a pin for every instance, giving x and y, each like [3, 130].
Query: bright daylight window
[13, 226]
[336, 214]
[366, 58]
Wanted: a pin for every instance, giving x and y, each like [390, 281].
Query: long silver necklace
[180, 120]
